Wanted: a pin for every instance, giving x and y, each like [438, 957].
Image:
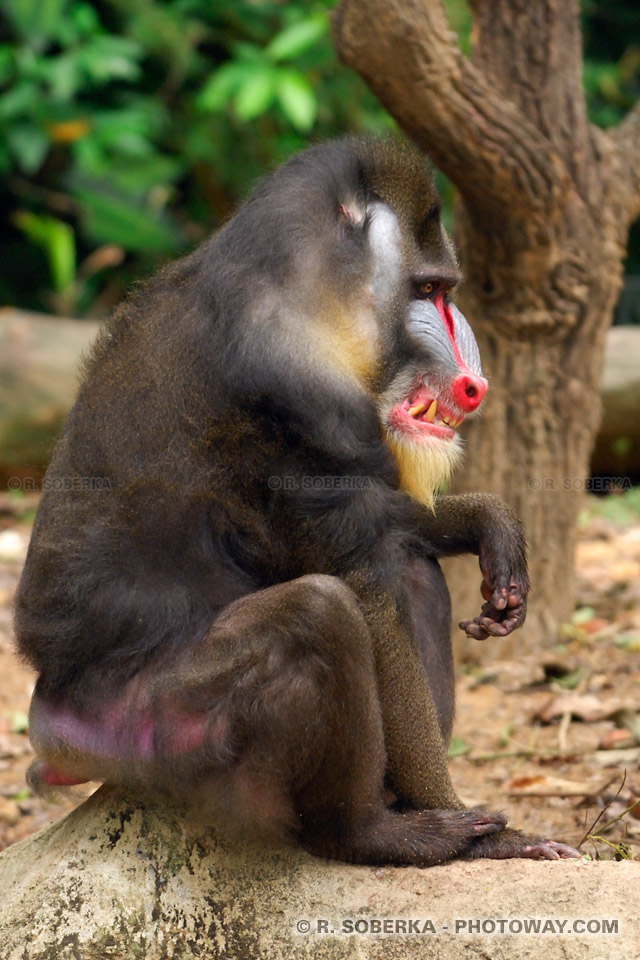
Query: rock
[123, 880]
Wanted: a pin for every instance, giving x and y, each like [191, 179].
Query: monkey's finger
[550, 850]
[486, 591]
[473, 630]
[563, 849]
[502, 597]
[515, 595]
[495, 628]
[511, 623]
[499, 598]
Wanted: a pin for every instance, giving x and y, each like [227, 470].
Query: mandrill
[241, 603]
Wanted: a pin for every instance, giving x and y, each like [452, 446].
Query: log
[39, 359]
[123, 880]
[617, 448]
[40, 355]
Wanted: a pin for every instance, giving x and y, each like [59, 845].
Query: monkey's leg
[278, 708]
[417, 760]
[429, 604]
[417, 752]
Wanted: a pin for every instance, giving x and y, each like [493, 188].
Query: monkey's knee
[325, 595]
[312, 613]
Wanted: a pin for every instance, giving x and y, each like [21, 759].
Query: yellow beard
[424, 465]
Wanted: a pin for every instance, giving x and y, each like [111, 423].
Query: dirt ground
[550, 740]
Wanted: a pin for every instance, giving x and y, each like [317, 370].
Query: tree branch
[532, 54]
[626, 141]
[408, 55]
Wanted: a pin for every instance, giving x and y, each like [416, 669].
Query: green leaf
[21, 100]
[256, 93]
[64, 76]
[35, 20]
[147, 172]
[296, 39]
[108, 217]
[107, 58]
[29, 145]
[57, 239]
[5, 157]
[458, 747]
[622, 446]
[91, 159]
[571, 680]
[248, 53]
[85, 19]
[19, 722]
[297, 99]
[221, 86]
[7, 61]
[582, 615]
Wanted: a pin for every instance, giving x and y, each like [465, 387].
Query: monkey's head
[349, 275]
[426, 376]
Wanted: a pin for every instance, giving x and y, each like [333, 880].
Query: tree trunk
[546, 203]
[130, 881]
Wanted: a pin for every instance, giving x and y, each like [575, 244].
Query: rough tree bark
[547, 201]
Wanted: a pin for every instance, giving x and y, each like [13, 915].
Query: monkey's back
[160, 506]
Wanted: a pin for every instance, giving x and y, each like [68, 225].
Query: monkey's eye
[426, 290]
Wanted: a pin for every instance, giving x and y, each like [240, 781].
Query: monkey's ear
[353, 221]
[351, 213]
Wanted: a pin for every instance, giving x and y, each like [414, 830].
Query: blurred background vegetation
[129, 129]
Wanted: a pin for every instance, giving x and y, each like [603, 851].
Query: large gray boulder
[128, 881]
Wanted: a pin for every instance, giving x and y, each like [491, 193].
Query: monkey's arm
[483, 524]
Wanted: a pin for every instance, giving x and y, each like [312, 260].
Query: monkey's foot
[422, 838]
[512, 843]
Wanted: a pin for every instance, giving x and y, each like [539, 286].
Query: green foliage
[458, 748]
[611, 59]
[139, 124]
[130, 128]
[622, 509]
[612, 82]
[57, 240]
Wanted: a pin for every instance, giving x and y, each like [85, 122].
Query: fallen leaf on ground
[617, 740]
[583, 706]
[540, 786]
[612, 758]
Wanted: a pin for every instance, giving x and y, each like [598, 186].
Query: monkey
[232, 591]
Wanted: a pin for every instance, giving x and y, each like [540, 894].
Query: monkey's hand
[504, 589]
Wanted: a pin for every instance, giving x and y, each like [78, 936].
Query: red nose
[468, 391]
